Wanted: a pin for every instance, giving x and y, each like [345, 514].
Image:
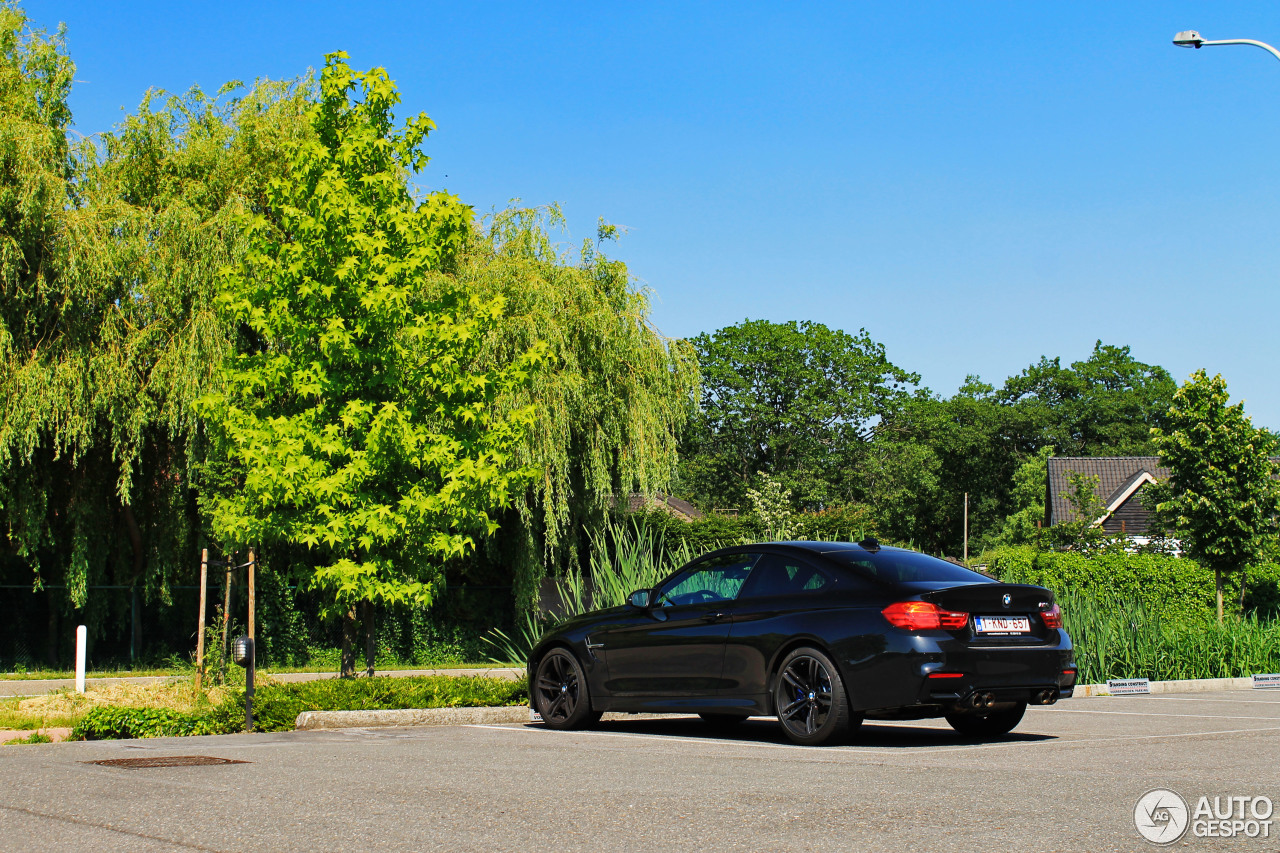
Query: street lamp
[1191, 38]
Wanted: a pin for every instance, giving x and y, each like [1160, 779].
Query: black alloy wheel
[809, 698]
[996, 723]
[560, 692]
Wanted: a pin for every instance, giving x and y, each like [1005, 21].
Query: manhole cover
[166, 761]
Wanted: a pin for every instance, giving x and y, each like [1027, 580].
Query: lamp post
[243, 653]
[1191, 38]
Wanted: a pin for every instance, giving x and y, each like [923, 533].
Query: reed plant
[626, 555]
[1119, 638]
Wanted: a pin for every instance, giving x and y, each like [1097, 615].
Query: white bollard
[82, 638]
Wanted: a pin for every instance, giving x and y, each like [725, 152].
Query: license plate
[1002, 624]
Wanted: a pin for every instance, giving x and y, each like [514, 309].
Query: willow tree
[110, 328]
[610, 402]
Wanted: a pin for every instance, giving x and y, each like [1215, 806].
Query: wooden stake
[253, 598]
[204, 575]
[226, 602]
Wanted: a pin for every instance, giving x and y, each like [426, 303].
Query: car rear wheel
[809, 698]
[989, 725]
[560, 692]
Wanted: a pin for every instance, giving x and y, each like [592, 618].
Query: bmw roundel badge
[1008, 599]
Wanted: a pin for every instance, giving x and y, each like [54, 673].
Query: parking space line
[1157, 714]
[1201, 699]
[1055, 740]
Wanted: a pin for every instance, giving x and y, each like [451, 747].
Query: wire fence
[37, 628]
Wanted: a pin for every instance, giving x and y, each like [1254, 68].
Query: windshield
[893, 566]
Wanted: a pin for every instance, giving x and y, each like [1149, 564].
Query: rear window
[905, 567]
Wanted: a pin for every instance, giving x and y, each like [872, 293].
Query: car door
[772, 607]
[675, 648]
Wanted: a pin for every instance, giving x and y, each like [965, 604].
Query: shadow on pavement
[877, 734]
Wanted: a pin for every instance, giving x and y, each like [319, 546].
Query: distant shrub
[276, 706]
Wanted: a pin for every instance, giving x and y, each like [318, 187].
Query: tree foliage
[1222, 499]
[795, 400]
[610, 401]
[352, 418]
[109, 326]
[1102, 406]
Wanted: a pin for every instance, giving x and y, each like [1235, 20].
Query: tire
[723, 721]
[810, 699]
[560, 692]
[994, 724]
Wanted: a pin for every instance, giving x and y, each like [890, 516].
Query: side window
[776, 574]
[718, 579]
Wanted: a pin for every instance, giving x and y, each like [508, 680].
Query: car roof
[804, 545]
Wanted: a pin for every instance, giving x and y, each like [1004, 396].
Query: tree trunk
[1244, 579]
[348, 644]
[370, 646]
[1217, 576]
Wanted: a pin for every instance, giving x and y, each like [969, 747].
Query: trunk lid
[1000, 621]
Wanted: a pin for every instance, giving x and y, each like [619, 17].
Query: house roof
[1117, 478]
[636, 501]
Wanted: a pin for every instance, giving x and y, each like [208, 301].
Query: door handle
[715, 616]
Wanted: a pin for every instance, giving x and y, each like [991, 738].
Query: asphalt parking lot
[1066, 779]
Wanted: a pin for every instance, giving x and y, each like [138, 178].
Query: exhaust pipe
[1045, 697]
[982, 701]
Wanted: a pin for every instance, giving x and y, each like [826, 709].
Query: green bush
[1262, 590]
[108, 723]
[1174, 587]
[277, 706]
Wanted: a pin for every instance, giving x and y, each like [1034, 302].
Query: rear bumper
[939, 671]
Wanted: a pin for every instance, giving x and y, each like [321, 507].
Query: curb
[317, 720]
[1186, 685]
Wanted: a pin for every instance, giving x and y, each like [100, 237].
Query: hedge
[1174, 587]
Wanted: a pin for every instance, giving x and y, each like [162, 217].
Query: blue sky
[975, 184]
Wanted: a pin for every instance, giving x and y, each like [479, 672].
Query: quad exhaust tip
[1046, 697]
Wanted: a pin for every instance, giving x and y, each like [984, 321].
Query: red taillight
[1052, 617]
[924, 616]
[946, 675]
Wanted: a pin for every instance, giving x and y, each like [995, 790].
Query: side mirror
[640, 598]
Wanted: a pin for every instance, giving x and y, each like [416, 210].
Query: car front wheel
[560, 692]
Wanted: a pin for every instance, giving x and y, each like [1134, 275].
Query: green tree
[1222, 499]
[609, 403]
[932, 452]
[1102, 406]
[1024, 524]
[109, 328]
[353, 417]
[797, 401]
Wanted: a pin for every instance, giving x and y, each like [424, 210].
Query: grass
[34, 737]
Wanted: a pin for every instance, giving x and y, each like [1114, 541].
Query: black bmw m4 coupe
[821, 635]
